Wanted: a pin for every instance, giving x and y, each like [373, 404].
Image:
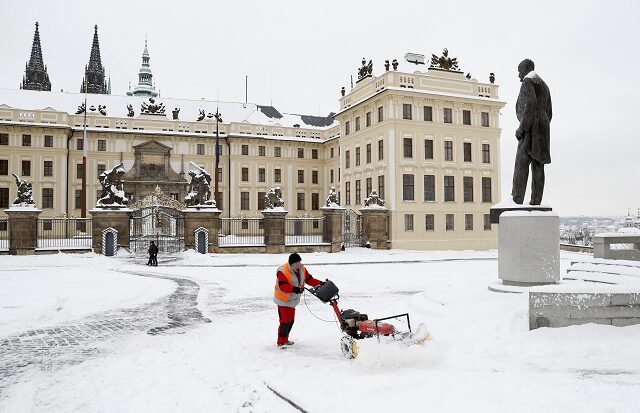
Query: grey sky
[298, 54]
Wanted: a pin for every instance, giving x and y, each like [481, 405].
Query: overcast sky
[299, 54]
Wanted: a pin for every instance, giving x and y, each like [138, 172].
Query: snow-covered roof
[116, 106]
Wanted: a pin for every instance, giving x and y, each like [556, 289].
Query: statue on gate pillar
[112, 188]
[199, 189]
[25, 193]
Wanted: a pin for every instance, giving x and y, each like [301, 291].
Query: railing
[303, 231]
[241, 232]
[4, 234]
[64, 233]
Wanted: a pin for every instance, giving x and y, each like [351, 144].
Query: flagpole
[83, 200]
[218, 120]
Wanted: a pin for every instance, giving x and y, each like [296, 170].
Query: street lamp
[218, 117]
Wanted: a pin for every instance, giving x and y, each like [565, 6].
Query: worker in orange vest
[292, 276]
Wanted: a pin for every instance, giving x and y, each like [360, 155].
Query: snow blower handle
[326, 291]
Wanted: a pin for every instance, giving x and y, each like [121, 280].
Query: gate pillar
[201, 218]
[332, 228]
[274, 230]
[375, 227]
[117, 219]
[23, 230]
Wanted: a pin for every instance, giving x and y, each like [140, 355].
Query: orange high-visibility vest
[286, 270]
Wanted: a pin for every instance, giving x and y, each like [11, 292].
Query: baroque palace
[427, 142]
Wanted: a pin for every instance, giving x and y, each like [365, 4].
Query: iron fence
[240, 232]
[64, 233]
[303, 231]
[4, 234]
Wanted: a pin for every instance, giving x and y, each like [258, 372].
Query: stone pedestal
[118, 219]
[375, 227]
[23, 230]
[332, 232]
[509, 205]
[529, 248]
[205, 218]
[274, 230]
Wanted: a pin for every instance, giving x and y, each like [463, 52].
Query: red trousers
[286, 316]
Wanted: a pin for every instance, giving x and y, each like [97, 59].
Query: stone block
[541, 299]
[625, 299]
[207, 218]
[623, 322]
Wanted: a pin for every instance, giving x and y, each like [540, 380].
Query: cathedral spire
[145, 85]
[36, 76]
[94, 81]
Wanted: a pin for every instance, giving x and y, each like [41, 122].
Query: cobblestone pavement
[71, 343]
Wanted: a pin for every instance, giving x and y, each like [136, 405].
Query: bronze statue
[343, 91]
[492, 78]
[444, 62]
[533, 110]
[152, 108]
[25, 193]
[175, 112]
[386, 65]
[199, 190]
[81, 109]
[374, 200]
[130, 110]
[112, 188]
[366, 69]
[102, 109]
[394, 63]
[201, 115]
[332, 198]
[273, 199]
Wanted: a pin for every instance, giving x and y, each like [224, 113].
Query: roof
[116, 106]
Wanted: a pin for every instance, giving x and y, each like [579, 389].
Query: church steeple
[145, 77]
[94, 72]
[36, 76]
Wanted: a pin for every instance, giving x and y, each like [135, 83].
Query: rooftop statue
[366, 69]
[444, 62]
[199, 189]
[201, 115]
[130, 110]
[25, 193]
[112, 188]
[273, 199]
[152, 108]
[81, 109]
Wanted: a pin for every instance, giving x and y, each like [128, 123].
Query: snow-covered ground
[482, 356]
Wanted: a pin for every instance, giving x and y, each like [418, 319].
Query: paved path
[73, 342]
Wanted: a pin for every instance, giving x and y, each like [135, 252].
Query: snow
[482, 356]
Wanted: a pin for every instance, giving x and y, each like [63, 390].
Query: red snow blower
[357, 326]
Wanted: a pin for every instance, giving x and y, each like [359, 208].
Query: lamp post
[218, 117]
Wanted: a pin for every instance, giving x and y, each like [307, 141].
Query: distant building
[36, 76]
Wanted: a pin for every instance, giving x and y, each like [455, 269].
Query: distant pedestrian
[153, 254]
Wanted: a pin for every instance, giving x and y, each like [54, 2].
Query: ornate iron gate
[161, 224]
[351, 227]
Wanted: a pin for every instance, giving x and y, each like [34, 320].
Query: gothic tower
[94, 72]
[145, 78]
[36, 76]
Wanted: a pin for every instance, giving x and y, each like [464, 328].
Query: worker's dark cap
[295, 257]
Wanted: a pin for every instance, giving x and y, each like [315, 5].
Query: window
[47, 197]
[487, 222]
[381, 186]
[47, 225]
[466, 117]
[358, 156]
[300, 153]
[429, 222]
[4, 167]
[408, 147]
[262, 172]
[486, 189]
[79, 167]
[368, 119]
[380, 114]
[314, 177]
[468, 222]
[101, 169]
[244, 224]
[244, 201]
[448, 150]
[199, 148]
[48, 168]
[406, 111]
[79, 144]
[300, 176]
[219, 174]
[4, 198]
[26, 168]
[277, 152]
[380, 150]
[26, 140]
[467, 185]
[358, 192]
[347, 129]
[300, 201]
[466, 148]
[262, 201]
[368, 153]
[315, 201]
[262, 151]
[449, 190]
[102, 146]
[407, 187]
[347, 190]
[245, 174]
[78, 198]
[4, 139]
[331, 176]
[314, 154]
[428, 114]
[369, 188]
[484, 117]
[245, 149]
[347, 159]
[429, 188]
[277, 175]
[449, 222]
[428, 149]
[331, 151]
[48, 141]
[408, 222]
[357, 123]
[486, 155]
[219, 149]
[448, 115]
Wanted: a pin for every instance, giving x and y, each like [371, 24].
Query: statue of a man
[533, 110]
